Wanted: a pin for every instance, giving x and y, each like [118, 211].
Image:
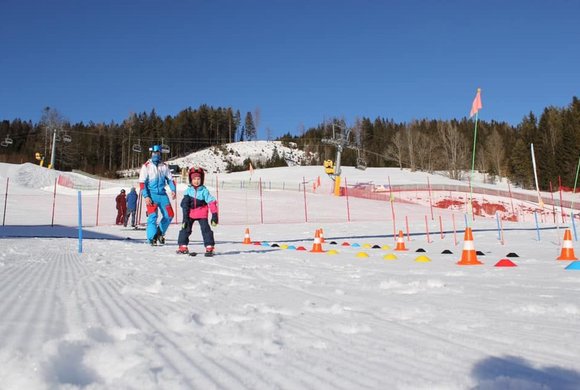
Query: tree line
[501, 150]
[105, 148]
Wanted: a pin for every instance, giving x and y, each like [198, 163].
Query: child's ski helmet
[193, 171]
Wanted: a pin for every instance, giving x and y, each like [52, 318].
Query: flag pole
[475, 107]
[472, 167]
[574, 191]
[540, 201]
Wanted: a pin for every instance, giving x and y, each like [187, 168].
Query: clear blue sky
[298, 61]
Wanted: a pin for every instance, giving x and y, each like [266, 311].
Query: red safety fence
[262, 202]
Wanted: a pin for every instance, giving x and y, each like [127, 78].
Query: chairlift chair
[66, 138]
[361, 164]
[8, 140]
[164, 148]
[137, 148]
[3, 144]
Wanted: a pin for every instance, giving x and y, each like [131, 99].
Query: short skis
[206, 254]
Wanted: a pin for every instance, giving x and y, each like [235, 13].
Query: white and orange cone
[468, 256]
[567, 252]
[317, 246]
[247, 237]
[400, 242]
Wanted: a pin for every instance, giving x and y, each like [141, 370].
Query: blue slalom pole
[537, 226]
[498, 227]
[465, 218]
[574, 227]
[80, 203]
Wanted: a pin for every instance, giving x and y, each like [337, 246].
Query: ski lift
[164, 148]
[360, 162]
[3, 144]
[137, 148]
[66, 138]
[8, 140]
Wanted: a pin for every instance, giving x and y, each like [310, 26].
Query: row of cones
[468, 255]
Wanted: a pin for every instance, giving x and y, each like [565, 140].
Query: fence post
[98, 203]
[5, 201]
[53, 201]
[304, 190]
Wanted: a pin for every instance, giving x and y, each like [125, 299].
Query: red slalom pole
[430, 198]
[454, 231]
[561, 208]
[553, 203]
[347, 202]
[98, 202]
[261, 201]
[304, 190]
[5, 202]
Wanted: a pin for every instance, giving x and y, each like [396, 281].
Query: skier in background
[121, 204]
[154, 177]
[131, 207]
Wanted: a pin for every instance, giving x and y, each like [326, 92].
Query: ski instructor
[154, 176]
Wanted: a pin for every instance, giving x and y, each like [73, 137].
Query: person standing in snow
[155, 175]
[121, 204]
[131, 207]
[195, 204]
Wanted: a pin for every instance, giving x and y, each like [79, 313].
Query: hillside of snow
[216, 158]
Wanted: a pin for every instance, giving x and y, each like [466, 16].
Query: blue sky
[298, 62]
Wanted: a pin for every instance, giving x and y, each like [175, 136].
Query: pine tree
[250, 127]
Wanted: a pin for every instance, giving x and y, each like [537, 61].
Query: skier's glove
[214, 219]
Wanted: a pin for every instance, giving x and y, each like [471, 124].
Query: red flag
[476, 106]
[318, 182]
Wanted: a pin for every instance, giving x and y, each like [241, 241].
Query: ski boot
[182, 250]
[160, 237]
[209, 251]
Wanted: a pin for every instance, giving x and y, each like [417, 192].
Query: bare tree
[257, 119]
[423, 150]
[454, 148]
[53, 122]
[410, 132]
[494, 149]
[396, 149]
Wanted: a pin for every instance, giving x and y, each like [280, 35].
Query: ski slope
[124, 315]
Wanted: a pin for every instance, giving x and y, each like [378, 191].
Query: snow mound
[216, 158]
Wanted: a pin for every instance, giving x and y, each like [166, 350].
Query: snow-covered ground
[124, 315]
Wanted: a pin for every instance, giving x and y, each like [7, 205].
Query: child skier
[195, 204]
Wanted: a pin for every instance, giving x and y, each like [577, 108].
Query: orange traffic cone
[317, 246]
[400, 242]
[468, 256]
[321, 236]
[247, 237]
[567, 248]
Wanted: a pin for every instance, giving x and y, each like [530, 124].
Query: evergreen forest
[501, 149]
